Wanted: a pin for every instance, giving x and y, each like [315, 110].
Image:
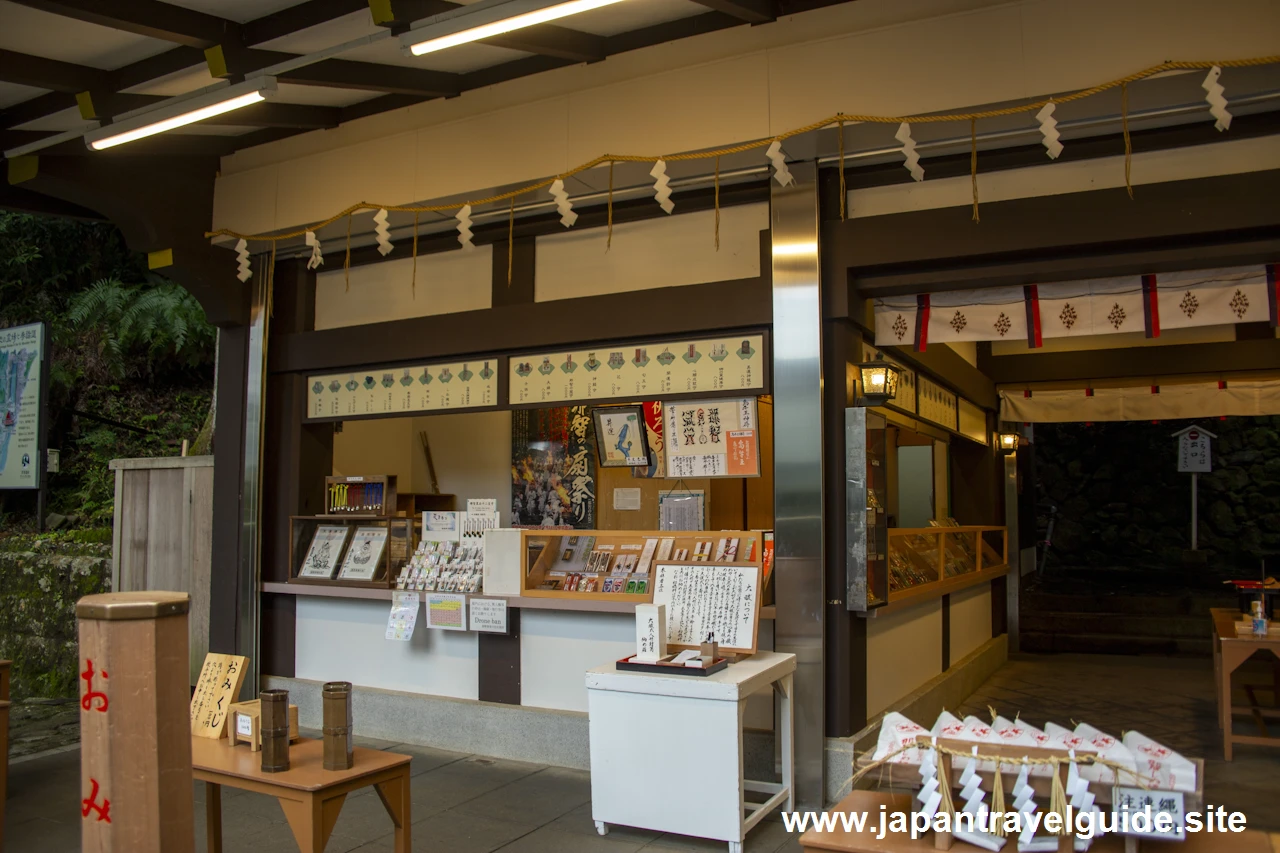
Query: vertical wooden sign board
[135, 743]
[216, 691]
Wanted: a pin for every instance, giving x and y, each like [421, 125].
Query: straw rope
[1128, 145]
[838, 119]
[414, 282]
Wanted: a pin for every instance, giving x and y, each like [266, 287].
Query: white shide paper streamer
[464, 227]
[1217, 103]
[778, 158]
[661, 187]
[383, 232]
[317, 257]
[242, 260]
[563, 205]
[1049, 130]
[909, 151]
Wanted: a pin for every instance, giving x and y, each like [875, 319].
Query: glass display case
[922, 556]
[617, 565]
[866, 524]
[342, 550]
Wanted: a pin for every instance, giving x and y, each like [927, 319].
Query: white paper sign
[244, 725]
[651, 632]
[709, 598]
[404, 615]
[1193, 452]
[489, 614]
[1151, 814]
[626, 499]
[482, 506]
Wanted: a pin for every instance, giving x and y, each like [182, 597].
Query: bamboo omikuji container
[274, 723]
[338, 746]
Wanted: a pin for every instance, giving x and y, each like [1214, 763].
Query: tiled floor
[461, 804]
[470, 804]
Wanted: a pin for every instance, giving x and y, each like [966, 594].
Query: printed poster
[361, 563]
[638, 370]
[552, 468]
[620, 435]
[403, 390]
[447, 610]
[21, 358]
[653, 427]
[326, 548]
[712, 438]
[404, 616]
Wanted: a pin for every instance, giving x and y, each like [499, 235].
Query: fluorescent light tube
[472, 26]
[181, 111]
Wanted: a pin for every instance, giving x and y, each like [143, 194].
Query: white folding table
[666, 751]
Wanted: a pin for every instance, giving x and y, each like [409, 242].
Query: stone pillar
[135, 730]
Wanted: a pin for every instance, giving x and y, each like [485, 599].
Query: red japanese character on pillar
[87, 702]
[90, 804]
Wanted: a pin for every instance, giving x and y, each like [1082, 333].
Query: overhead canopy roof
[129, 54]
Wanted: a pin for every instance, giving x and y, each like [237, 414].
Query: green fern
[159, 321]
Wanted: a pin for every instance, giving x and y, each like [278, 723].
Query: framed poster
[622, 439]
[23, 377]
[325, 551]
[712, 438]
[361, 563]
[394, 391]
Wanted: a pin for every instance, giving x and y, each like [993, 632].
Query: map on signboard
[20, 359]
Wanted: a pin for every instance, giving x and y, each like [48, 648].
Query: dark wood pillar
[296, 459]
[228, 478]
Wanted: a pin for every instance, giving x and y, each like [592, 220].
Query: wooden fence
[164, 534]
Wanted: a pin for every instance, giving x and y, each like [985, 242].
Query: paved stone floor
[461, 804]
[1170, 700]
[471, 804]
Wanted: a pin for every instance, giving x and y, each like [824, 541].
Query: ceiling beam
[150, 18]
[47, 73]
[544, 39]
[347, 74]
[747, 11]
[298, 17]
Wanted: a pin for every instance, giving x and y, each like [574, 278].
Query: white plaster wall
[447, 282]
[558, 647]
[472, 456]
[664, 252]
[874, 56]
[345, 640]
[970, 620]
[904, 650]
[380, 446]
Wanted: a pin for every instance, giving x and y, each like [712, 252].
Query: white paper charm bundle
[1018, 733]
[1167, 769]
[1109, 748]
[947, 725]
[896, 731]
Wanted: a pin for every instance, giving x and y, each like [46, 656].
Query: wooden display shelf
[396, 551]
[610, 605]
[929, 591]
[384, 483]
[550, 557]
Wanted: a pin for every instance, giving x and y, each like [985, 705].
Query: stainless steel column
[248, 622]
[797, 466]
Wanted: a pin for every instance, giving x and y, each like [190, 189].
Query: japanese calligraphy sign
[639, 370]
[217, 689]
[712, 438]
[706, 598]
[1194, 455]
[1150, 814]
[403, 390]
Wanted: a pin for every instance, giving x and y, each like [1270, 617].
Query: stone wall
[41, 579]
[1122, 502]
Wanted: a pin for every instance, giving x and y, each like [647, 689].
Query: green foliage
[153, 327]
[127, 347]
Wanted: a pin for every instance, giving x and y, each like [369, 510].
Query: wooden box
[369, 495]
[245, 724]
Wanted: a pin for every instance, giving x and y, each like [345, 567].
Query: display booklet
[362, 557]
[326, 548]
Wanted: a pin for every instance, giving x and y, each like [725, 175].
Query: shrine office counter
[519, 695]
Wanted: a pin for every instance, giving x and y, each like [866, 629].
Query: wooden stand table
[1249, 841]
[666, 750]
[1230, 651]
[310, 796]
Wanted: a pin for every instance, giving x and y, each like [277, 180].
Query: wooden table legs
[1228, 659]
[312, 816]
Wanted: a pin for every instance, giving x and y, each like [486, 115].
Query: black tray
[661, 668]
